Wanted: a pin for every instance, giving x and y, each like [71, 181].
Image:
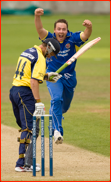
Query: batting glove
[39, 109]
[55, 76]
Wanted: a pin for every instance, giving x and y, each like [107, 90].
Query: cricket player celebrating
[62, 91]
[25, 97]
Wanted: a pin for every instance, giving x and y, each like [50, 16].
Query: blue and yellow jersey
[67, 49]
[31, 64]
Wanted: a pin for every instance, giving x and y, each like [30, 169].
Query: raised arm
[87, 32]
[38, 23]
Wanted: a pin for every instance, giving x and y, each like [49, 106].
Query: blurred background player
[25, 98]
[62, 91]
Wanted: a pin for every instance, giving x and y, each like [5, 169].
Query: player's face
[60, 31]
[49, 55]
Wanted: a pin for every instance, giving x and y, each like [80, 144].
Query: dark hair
[61, 21]
[44, 44]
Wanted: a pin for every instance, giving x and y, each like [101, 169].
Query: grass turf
[87, 122]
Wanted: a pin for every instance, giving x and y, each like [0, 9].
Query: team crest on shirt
[68, 46]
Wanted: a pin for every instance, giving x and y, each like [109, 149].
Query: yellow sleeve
[81, 37]
[39, 69]
[45, 36]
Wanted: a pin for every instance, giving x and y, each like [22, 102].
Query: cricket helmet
[52, 46]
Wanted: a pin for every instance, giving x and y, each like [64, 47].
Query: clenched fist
[87, 23]
[39, 12]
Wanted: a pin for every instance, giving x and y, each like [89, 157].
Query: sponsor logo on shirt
[63, 53]
[30, 56]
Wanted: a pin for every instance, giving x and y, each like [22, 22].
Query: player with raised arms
[62, 91]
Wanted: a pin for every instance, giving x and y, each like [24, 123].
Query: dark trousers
[23, 105]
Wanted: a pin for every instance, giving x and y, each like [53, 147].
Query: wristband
[37, 100]
[46, 76]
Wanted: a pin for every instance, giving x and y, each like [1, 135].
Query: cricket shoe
[27, 168]
[37, 167]
[20, 169]
[30, 168]
[58, 137]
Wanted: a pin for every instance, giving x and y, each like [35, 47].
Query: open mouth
[61, 36]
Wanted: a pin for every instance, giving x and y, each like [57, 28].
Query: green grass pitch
[87, 122]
